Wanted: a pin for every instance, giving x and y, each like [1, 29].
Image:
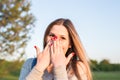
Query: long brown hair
[76, 46]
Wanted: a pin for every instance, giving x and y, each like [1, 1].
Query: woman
[63, 56]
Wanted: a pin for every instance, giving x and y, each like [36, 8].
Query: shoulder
[81, 67]
[26, 68]
[30, 62]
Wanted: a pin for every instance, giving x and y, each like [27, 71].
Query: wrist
[59, 65]
[39, 68]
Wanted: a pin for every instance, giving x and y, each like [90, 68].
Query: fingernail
[52, 38]
[35, 47]
[51, 44]
[73, 53]
[55, 37]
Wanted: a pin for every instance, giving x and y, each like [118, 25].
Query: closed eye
[63, 38]
[52, 35]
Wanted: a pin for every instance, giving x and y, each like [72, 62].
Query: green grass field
[8, 77]
[96, 76]
[106, 75]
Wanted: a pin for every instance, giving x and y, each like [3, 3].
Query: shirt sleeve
[29, 73]
[60, 73]
[34, 75]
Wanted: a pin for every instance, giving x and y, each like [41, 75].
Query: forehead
[59, 29]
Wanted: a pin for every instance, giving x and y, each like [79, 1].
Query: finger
[47, 49]
[51, 65]
[69, 57]
[57, 49]
[51, 50]
[37, 50]
[47, 46]
[54, 46]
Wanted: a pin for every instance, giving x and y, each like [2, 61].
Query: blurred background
[23, 22]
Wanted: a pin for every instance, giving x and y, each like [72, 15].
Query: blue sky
[96, 21]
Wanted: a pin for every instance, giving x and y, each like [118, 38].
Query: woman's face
[62, 34]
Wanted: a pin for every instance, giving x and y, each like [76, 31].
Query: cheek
[65, 46]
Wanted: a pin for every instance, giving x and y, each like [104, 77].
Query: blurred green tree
[94, 65]
[16, 24]
[104, 65]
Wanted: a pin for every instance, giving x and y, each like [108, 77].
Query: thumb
[69, 57]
